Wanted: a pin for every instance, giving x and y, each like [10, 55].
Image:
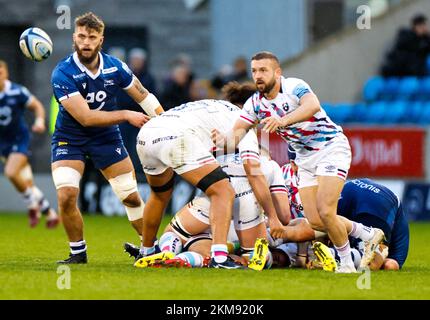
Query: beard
[266, 88]
[85, 59]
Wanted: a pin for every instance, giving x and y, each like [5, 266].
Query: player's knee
[133, 200]
[316, 225]
[390, 264]
[326, 212]
[125, 186]
[67, 199]
[164, 191]
[10, 172]
[66, 177]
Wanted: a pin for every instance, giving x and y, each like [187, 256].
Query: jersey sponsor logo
[118, 150]
[242, 194]
[164, 139]
[62, 151]
[78, 76]
[367, 186]
[5, 115]
[62, 143]
[109, 70]
[330, 169]
[109, 82]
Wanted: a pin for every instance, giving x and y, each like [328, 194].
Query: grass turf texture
[28, 270]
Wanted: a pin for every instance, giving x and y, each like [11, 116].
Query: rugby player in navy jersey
[85, 84]
[374, 205]
[14, 145]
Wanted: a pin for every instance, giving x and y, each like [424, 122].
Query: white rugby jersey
[199, 118]
[305, 137]
[232, 165]
[292, 183]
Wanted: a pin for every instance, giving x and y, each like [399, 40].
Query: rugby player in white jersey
[288, 107]
[191, 224]
[179, 140]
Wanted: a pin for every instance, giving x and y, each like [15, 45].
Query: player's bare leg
[189, 223]
[122, 177]
[67, 184]
[18, 171]
[329, 189]
[221, 195]
[161, 192]
[319, 214]
[14, 164]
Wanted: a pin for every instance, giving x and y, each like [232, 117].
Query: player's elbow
[85, 121]
[252, 168]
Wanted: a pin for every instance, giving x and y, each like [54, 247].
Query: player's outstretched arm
[144, 98]
[79, 110]
[282, 206]
[230, 141]
[309, 105]
[261, 191]
[39, 115]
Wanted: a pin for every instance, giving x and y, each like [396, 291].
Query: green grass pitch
[28, 270]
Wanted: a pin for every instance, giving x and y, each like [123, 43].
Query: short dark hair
[265, 55]
[418, 19]
[237, 93]
[90, 21]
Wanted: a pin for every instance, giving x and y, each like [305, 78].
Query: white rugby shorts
[334, 161]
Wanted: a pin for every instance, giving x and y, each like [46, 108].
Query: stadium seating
[387, 101]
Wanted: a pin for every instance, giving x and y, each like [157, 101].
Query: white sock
[169, 241]
[344, 253]
[362, 232]
[29, 200]
[146, 251]
[78, 247]
[193, 258]
[356, 257]
[219, 252]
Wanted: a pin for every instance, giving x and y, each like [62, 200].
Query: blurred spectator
[177, 87]
[239, 73]
[409, 55]
[137, 61]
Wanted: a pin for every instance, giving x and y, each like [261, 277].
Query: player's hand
[137, 119]
[39, 126]
[218, 138]
[276, 228]
[271, 124]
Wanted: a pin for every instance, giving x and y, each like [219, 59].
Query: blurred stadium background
[386, 119]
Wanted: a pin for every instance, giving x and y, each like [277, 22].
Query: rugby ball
[35, 44]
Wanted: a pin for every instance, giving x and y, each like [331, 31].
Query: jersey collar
[84, 68]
